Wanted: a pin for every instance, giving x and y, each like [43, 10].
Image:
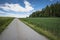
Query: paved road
[17, 30]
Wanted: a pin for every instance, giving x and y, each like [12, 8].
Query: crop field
[4, 21]
[50, 27]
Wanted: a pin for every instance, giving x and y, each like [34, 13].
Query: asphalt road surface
[17, 30]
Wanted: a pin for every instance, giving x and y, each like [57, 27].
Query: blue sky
[22, 8]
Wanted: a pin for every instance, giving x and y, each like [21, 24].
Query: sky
[22, 8]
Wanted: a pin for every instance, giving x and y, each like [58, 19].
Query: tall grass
[4, 21]
[49, 27]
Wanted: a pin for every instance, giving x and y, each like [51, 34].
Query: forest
[52, 10]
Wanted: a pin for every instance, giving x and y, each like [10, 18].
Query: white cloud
[28, 6]
[5, 14]
[17, 7]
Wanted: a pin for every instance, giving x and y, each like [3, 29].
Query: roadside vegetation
[50, 27]
[4, 21]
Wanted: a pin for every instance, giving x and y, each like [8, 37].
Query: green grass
[4, 21]
[50, 27]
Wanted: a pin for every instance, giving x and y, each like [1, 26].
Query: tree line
[52, 10]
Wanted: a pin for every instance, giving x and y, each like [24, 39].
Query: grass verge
[4, 22]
